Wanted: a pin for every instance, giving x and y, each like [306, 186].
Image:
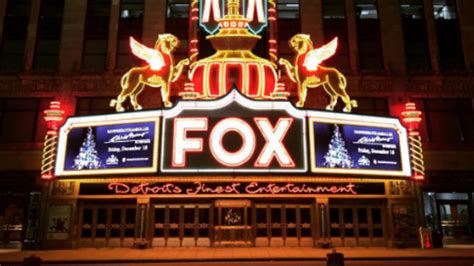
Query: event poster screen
[104, 148]
[354, 149]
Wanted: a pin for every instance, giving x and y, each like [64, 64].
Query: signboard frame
[360, 120]
[235, 97]
[107, 120]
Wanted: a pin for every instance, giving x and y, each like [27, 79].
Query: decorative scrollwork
[416, 154]
[49, 154]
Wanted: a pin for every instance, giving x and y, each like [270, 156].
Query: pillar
[72, 36]
[31, 35]
[311, 14]
[142, 208]
[193, 47]
[272, 31]
[113, 33]
[352, 35]
[432, 36]
[154, 20]
[322, 207]
[3, 11]
[392, 37]
[466, 22]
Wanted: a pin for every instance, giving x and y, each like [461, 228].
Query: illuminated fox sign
[274, 147]
[234, 136]
[212, 11]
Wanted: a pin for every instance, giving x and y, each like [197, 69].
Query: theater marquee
[233, 135]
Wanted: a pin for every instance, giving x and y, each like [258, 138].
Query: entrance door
[181, 224]
[107, 225]
[357, 225]
[454, 216]
[233, 223]
[284, 224]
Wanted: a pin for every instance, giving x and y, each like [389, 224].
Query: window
[288, 9]
[335, 25]
[289, 23]
[130, 24]
[415, 34]
[334, 9]
[177, 9]
[96, 35]
[367, 9]
[372, 106]
[21, 119]
[48, 36]
[94, 105]
[446, 120]
[368, 35]
[14, 35]
[177, 23]
[450, 48]
[444, 9]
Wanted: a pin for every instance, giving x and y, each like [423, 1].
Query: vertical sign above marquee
[109, 144]
[212, 11]
[358, 145]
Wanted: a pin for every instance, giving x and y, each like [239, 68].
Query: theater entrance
[353, 224]
[454, 217]
[107, 225]
[237, 222]
[233, 225]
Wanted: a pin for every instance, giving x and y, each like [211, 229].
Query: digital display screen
[356, 147]
[108, 147]
[117, 144]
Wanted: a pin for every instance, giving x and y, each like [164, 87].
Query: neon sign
[235, 188]
[233, 134]
[212, 11]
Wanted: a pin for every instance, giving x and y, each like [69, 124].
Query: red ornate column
[273, 31]
[193, 39]
[412, 118]
[53, 118]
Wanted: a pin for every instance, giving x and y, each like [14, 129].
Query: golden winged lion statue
[307, 72]
[159, 72]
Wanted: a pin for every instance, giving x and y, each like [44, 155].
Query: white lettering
[216, 10]
[182, 144]
[255, 4]
[274, 146]
[225, 157]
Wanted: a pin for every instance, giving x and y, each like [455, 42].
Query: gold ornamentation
[160, 71]
[307, 72]
[54, 116]
[416, 154]
[49, 154]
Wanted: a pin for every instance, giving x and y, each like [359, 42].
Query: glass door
[233, 223]
[454, 218]
[107, 225]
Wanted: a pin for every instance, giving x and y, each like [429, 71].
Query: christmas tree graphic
[88, 157]
[337, 155]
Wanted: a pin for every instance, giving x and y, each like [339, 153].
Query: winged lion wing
[153, 57]
[318, 55]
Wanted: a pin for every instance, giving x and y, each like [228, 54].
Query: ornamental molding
[360, 85]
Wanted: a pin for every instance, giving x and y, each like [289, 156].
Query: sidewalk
[227, 254]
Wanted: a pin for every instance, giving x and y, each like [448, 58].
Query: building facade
[391, 51]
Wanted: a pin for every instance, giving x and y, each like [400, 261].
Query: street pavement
[284, 263]
[187, 256]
